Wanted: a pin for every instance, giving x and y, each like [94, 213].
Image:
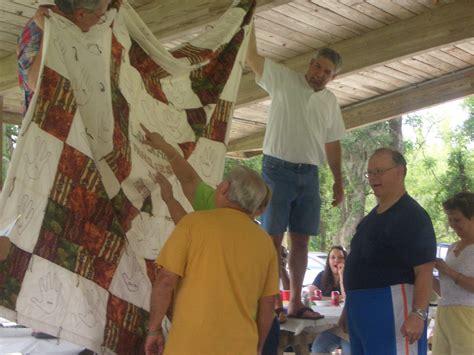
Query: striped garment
[375, 317]
[29, 43]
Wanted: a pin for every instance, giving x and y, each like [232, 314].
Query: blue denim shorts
[296, 202]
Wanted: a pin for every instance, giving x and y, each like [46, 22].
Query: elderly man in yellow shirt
[225, 273]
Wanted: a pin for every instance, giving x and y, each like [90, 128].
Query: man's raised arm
[187, 176]
[254, 60]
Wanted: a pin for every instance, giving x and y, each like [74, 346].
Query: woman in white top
[454, 332]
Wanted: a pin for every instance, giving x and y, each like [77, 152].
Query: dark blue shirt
[387, 246]
[318, 282]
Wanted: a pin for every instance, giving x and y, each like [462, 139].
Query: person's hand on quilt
[165, 187]
[39, 16]
[156, 140]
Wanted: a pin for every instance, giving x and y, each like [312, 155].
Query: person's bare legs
[297, 262]
[277, 240]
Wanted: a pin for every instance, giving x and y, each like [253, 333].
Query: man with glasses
[388, 273]
[82, 13]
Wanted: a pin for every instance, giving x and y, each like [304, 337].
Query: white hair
[247, 189]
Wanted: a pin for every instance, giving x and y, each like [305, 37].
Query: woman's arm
[459, 278]
[187, 176]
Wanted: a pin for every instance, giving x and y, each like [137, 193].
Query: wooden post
[1, 143]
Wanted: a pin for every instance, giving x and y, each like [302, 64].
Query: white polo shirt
[301, 120]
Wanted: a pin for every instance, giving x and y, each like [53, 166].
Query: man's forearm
[161, 295]
[176, 210]
[423, 286]
[333, 153]
[254, 60]
[265, 317]
[187, 176]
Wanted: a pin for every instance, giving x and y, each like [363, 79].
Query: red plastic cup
[335, 298]
[318, 295]
[285, 295]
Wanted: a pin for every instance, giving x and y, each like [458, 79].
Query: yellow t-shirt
[226, 263]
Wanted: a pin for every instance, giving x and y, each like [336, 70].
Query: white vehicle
[316, 264]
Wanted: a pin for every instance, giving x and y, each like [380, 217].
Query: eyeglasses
[101, 18]
[379, 172]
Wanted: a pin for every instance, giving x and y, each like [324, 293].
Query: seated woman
[327, 281]
[454, 318]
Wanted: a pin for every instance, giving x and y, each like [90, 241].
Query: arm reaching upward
[254, 60]
[187, 176]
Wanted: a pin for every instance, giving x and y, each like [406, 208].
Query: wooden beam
[412, 98]
[416, 97]
[12, 118]
[446, 25]
[8, 73]
[1, 143]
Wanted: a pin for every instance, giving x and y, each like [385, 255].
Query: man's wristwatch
[420, 313]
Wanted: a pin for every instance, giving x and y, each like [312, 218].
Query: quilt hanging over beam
[80, 206]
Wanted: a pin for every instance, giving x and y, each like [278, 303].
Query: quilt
[80, 204]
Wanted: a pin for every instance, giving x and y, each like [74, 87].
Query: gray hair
[331, 55]
[396, 156]
[247, 189]
[70, 6]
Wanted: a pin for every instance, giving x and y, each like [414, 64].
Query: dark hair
[396, 156]
[331, 55]
[462, 201]
[327, 281]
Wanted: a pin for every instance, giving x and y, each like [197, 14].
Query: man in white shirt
[304, 129]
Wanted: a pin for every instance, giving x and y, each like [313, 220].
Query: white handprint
[88, 317]
[26, 211]
[50, 289]
[135, 278]
[172, 123]
[207, 160]
[38, 158]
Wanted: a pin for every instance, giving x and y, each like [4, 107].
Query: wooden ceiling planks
[373, 11]
[323, 15]
[397, 74]
[392, 8]
[273, 16]
[412, 6]
[277, 29]
[349, 13]
[459, 54]
[448, 58]
[467, 47]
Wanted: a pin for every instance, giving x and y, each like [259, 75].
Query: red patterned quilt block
[56, 105]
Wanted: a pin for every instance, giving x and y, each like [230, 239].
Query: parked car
[316, 264]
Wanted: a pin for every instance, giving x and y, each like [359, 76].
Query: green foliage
[254, 163]
[10, 135]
